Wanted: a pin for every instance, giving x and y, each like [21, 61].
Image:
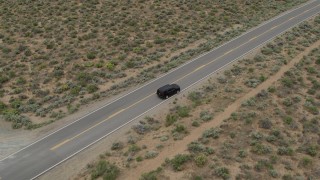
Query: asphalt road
[48, 152]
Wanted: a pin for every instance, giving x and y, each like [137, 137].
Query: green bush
[195, 97]
[212, 132]
[305, 162]
[91, 55]
[242, 154]
[3, 106]
[196, 147]
[205, 116]
[151, 154]
[106, 170]
[110, 65]
[180, 129]
[261, 149]
[117, 146]
[285, 151]
[91, 88]
[178, 161]
[3, 79]
[152, 175]
[288, 120]
[134, 148]
[312, 150]
[200, 160]
[170, 119]
[222, 172]
[183, 111]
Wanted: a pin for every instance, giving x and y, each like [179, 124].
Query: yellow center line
[253, 38]
[111, 116]
[227, 52]
[60, 144]
[114, 114]
[139, 101]
[198, 68]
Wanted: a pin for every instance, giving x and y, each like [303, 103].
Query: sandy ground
[13, 140]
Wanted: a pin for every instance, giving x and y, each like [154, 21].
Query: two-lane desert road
[48, 152]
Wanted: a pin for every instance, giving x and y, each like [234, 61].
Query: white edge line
[169, 98]
[250, 30]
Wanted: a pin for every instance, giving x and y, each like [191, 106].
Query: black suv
[168, 90]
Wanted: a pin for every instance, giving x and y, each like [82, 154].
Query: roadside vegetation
[59, 55]
[273, 134]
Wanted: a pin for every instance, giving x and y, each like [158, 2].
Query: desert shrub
[180, 129]
[311, 108]
[250, 102]
[179, 160]
[271, 89]
[288, 120]
[286, 81]
[17, 120]
[3, 78]
[21, 81]
[312, 91]
[222, 172]
[152, 175]
[305, 162]
[134, 148]
[91, 55]
[170, 119]
[205, 116]
[183, 111]
[312, 150]
[91, 88]
[261, 149]
[194, 123]
[151, 154]
[200, 160]
[164, 138]
[265, 123]
[311, 126]
[287, 102]
[242, 153]
[72, 109]
[262, 164]
[287, 177]
[139, 159]
[252, 83]
[273, 173]
[3, 106]
[106, 170]
[195, 97]
[196, 147]
[285, 151]
[222, 80]
[110, 66]
[75, 90]
[141, 128]
[212, 132]
[117, 146]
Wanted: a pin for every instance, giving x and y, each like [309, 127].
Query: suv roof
[168, 86]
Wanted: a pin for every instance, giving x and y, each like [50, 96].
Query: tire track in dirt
[181, 146]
